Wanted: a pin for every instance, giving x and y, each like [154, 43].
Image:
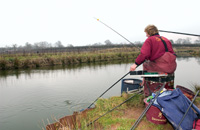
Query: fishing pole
[179, 33]
[109, 88]
[117, 33]
[125, 74]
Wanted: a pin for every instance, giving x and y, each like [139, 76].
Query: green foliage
[3, 64]
[196, 87]
[137, 101]
[27, 63]
[37, 63]
[30, 60]
[16, 63]
[115, 117]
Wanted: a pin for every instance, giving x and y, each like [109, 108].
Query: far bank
[40, 59]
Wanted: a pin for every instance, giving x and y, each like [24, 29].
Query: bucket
[130, 85]
[154, 114]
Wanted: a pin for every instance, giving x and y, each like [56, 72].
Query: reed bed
[35, 60]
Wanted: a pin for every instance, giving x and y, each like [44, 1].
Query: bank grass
[195, 88]
[116, 119]
[121, 118]
[187, 51]
[35, 60]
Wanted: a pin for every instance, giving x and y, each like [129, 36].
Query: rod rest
[140, 72]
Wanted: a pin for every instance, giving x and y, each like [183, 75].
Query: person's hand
[133, 67]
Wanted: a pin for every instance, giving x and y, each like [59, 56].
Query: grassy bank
[117, 117]
[120, 118]
[187, 51]
[124, 116]
[35, 60]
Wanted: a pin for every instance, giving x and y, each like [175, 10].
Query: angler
[156, 55]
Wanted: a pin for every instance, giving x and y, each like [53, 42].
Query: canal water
[29, 99]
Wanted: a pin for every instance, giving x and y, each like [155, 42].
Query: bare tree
[58, 44]
[179, 41]
[97, 44]
[108, 42]
[14, 47]
[42, 45]
[70, 45]
[186, 41]
[138, 42]
[197, 41]
[28, 46]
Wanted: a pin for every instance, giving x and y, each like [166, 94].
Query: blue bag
[173, 106]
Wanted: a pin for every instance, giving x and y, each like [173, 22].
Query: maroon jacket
[153, 48]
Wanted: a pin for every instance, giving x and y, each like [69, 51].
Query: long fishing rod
[130, 72]
[117, 33]
[121, 77]
[179, 33]
[109, 88]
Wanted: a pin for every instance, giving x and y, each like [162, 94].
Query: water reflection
[44, 70]
[198, 61]
[185, 58]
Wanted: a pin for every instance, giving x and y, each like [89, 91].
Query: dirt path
[134, 113]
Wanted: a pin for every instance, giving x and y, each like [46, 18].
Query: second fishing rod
[122, 76]
[136, 47]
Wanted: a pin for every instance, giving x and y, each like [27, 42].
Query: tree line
[44, 46]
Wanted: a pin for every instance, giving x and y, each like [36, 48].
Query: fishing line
[179, 33]
[117, 33]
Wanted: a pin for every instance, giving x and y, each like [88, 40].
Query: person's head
[150, 30]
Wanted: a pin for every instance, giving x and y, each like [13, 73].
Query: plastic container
[154, 114]
[129, 85]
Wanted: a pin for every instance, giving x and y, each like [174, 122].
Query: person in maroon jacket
[156, 54]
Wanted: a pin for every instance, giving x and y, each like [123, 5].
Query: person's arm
[145, 52]
[133, 67]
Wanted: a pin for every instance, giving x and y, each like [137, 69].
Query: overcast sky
[72, 21]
